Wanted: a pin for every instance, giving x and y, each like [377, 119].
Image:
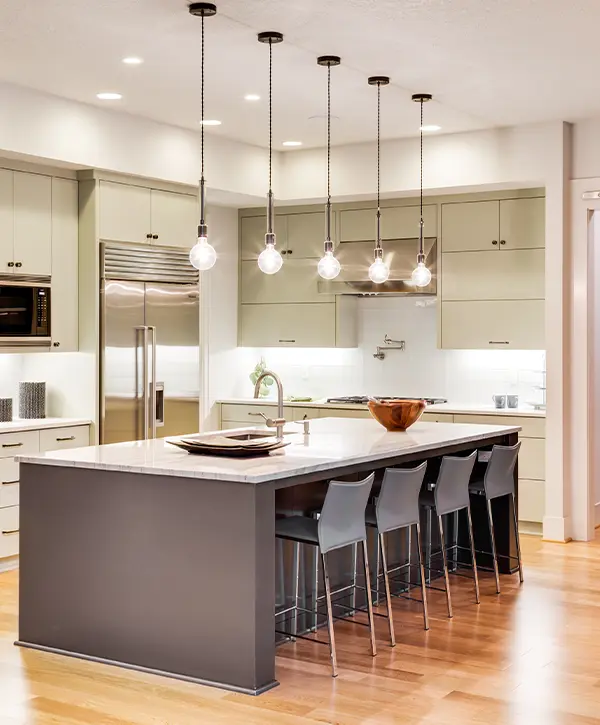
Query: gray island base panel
[129, 558]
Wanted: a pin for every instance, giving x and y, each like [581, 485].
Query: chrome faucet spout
[280, 420]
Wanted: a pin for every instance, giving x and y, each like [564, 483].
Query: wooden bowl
[397, 414]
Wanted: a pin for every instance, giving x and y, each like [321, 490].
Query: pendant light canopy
[202, 255]
[328, 267]
[379, 272]
[270, 260]
[421, 276]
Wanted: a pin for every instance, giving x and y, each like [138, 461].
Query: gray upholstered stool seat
[498, 481]
[341, 524]
[450, 495]
[302, 529]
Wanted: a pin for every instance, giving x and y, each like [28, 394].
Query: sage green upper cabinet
[470, 226]
[522, 223]
[253, 230]
[7, 221]
[174, 218]
[296, 281]
[305, 235]
[398, 222]
[33, 224]
[125, 213]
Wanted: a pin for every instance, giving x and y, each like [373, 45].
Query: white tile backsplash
[462, 376]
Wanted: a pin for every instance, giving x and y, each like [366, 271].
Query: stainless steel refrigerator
[149, 327]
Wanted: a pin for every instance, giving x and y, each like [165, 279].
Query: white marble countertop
[20, 424]
[457, 408]
[332, 443]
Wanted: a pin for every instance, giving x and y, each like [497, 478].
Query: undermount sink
[251, 435]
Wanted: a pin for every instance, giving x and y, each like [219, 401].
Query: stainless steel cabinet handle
[8, 483]
[69, 438]
[499, 342]
[287, 340]
[11, 445]
[145, 380]
[10, 531]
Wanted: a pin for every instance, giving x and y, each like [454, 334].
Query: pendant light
[328, 267]
[378, 271]
[421, 276]
[270, 260]
[202, 255]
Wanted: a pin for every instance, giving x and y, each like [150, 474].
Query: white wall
[595, 360]
[462, 376]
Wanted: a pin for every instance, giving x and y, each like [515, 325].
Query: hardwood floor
[528, 657]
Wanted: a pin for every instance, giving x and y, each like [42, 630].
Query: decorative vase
[32, 400]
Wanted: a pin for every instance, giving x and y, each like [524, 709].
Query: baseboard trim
[557, 529]
[530, 528]
[8, 564]
[597, 515]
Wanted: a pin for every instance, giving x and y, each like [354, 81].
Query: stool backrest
[499, 474]
[342, 520]
[452, 486]
[398, 502]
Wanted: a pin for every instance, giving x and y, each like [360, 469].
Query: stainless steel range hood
[399, 254]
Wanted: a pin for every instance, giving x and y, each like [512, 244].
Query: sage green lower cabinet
[319, 324]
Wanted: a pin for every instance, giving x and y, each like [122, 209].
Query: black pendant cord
[421, 251]
[202, 227]
[270, 113]
[328, 153]
[378, 241]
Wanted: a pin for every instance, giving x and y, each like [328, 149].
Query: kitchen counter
[167, 562]
[21, 424]
[450, 408]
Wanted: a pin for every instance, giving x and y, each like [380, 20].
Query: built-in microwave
[24, 313]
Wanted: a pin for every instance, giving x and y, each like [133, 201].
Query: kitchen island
[141, 555]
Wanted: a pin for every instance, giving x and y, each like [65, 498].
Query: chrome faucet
[278, 422]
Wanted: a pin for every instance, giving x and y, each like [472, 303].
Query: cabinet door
[7, 221]
[296, 281]
[470, 226]
[522, 223]
[33, 224]
[124, 213]
[253, 229]
[516, 274]
[489, 325]
[531, 500]
[288, 325]
[64, 323]
[306, 234]
[400, 222]
[174, 219]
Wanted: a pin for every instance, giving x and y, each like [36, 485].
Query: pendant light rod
[270, 37]
[421, 98]
[378, 81]
[328, 61]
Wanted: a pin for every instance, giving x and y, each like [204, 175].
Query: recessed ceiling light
[292, 143]
[210, 122]
[251, 97]
[133, 60]
[109, 96]
[430, 127]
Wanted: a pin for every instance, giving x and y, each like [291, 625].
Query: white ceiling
[487, 62]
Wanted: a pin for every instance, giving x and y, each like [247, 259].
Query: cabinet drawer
[288, 325]
[9, 483]
[340, 413]
[17, 444]
[530, 427]
[54, 439]
[437, 418]
[9, 531]
[493, 325]
[532, 459]
[310, 413]
[249, 414]
[531, 500]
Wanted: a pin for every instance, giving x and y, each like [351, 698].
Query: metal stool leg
[296, 584]
[493, 538]
[429, 541]
[473, 556]
[369, 598]
[422, 575]
[332, 650]
[409, 558]
[388, 595]
[517, 539]
[445, 557]
[354, 573]
[316, 593]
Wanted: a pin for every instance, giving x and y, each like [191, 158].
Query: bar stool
[450, 494]
[397, 508]
[498, 481]
[341, 524]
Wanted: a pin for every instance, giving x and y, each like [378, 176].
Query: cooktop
[363, 399]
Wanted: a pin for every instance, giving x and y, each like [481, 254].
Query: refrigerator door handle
[145, 379]
[152, 404]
